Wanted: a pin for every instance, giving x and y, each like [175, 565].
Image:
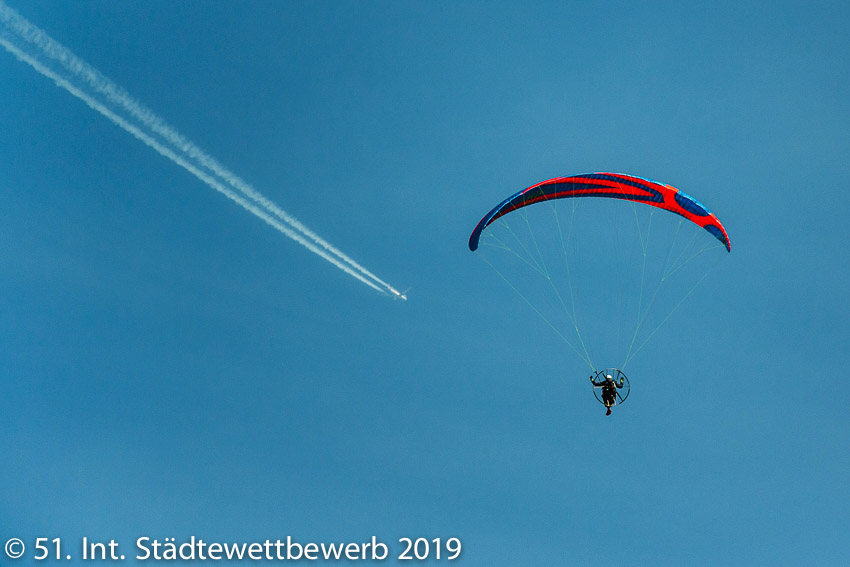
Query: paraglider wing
[613, 186]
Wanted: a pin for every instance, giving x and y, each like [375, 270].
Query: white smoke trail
[194, 160]
[138, 134]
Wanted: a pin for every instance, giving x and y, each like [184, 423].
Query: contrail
[193, 159]
[209, 180]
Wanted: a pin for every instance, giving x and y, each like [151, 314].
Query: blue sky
[172, 366]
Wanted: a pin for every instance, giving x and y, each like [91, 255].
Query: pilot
[609, 390]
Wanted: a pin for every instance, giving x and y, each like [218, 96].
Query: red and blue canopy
[613, 186]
